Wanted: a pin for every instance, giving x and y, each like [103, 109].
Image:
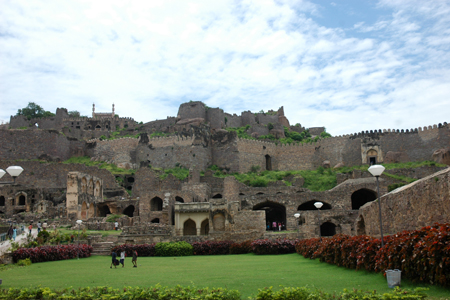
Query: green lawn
[246, 273]
[89, 232]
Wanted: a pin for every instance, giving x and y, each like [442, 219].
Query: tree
[34, 111]
[74, 114]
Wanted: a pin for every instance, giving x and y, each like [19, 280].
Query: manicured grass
[246, 273]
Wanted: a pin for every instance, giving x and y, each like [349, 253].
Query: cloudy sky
[346, 65]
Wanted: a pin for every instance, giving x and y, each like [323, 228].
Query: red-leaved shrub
[421, 255]
[241, 248]
[52, 253]
[211, 247]
[266, 246]
[142, 250]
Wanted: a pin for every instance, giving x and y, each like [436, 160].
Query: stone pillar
[231, 189]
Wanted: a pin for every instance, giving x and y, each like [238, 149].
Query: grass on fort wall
[246, 273]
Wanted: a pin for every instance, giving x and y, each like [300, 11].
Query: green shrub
[174, 249]
[24, 262]
[254, 169]
[113, 218]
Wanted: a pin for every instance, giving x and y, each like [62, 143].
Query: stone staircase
[103, 248]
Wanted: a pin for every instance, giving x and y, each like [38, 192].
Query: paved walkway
[21, 238]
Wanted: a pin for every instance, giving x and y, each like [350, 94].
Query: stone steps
[102, 248]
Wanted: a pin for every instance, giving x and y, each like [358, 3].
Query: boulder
[298, 181]
[326, 164]
[442, 156]
[339, 165]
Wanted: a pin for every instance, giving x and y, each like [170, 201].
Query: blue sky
[346, 65]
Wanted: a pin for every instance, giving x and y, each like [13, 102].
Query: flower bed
[52, 253]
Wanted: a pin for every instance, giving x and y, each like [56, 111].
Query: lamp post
[78, 248]
[297, 216]
[318, 205]
[377, 170]
[14, 171]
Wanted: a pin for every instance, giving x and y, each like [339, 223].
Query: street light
[297, 215]
[377, 170]
[318, 205]
[78, 248]
[14, 171]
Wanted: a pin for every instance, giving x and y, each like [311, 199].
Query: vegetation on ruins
[33, 111]
[86, 160]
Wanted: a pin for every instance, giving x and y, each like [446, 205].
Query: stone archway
[204, 230]
[327, 229]
[179, 199]
[372, 157]
[129, 211]
[103, 210]
[361, 197]
[156, 204]
[189, 227]
[268, 162]
[217, 196]
[91, 211]
[275, 213]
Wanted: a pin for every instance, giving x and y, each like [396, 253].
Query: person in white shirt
[116, 225]
[122, 258]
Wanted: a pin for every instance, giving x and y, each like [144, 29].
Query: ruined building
[204, 206]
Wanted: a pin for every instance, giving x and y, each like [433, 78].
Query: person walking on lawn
[134, 260]
[113, 260]
[122, 258]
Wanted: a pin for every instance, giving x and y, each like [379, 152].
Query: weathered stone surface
[339, 165]
[194, 121]
[326, 164]
[277, 133]
[442, 156]
[393, 157]
[255, 135]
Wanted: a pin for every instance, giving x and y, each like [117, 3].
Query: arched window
[260, 193]
[22, 200]
[83, 211]
[204, 227]
[310, 205]
[361, 197]
[155, 221]
[179, 199]
[275, 213]
[2, 201]
[217, 196]
[83, 185]
[156, 204]
[129, 211]
[189, 228]
[98, 127]
[97, 189]
[91, 187]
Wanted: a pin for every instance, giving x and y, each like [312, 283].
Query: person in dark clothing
[113, 260]
[10, 232]
[134, 260]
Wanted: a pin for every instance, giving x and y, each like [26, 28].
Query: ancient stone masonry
[413, 206]
[162, 208]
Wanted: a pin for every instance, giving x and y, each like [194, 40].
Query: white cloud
[149, 56]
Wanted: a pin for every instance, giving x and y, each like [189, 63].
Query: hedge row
[422, 255]
[209, 248]
[192, 292]
[52, 253]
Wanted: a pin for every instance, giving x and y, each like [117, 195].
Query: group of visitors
[115, 262]
[276, 226]
[12, 232]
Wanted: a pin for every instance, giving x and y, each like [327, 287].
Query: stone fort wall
[30, 144]
[410, 207]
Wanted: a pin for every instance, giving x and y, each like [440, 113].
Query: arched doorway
[156, 204]
[310, 205]
[179, 199]
[275, 213]
[103, 210]
[327, 229]
[205, 227]
[22, 200]
[2, 201]
[129, 211]
[189, 228]
[217, 196]
[361, 197]
[372, 157]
